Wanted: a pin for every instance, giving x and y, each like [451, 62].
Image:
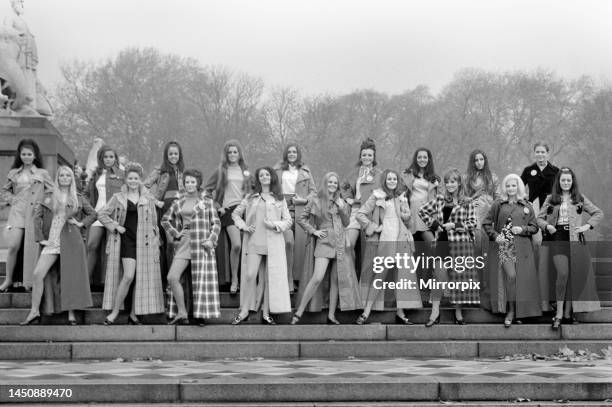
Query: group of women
[136, 236]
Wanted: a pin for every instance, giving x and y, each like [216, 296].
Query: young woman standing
[58, 224]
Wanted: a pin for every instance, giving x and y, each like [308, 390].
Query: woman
[385, 217]
[58, 222]
[298, 186]
[356, 189]
[228, 185]
[194, 226]
[482, 187]
[512, 275]
[330, 215]
[107, 181]
[266, 219]
[27, 183]
[573, 280]
[452, 217]
[133, 250]
[166, 183]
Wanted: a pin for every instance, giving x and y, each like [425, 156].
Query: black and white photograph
[306, 202]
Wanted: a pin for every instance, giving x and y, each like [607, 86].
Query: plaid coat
[460, 243]
[148, 293]
[205, 225]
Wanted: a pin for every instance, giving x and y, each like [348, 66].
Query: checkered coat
[205, 225]
[148, 293]
[460, 242]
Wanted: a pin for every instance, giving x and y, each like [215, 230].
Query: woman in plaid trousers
[451, 216]
[133, 250]
[194, 226]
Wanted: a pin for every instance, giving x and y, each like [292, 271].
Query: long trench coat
[66, 288]
[205, 226]
[148, 293]
[370, 216]
[305, 188]
[581, 288]
[27, 199]
[310, 221]
[274, 269]
[527, 285]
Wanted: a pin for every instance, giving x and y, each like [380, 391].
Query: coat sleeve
[532, 226]
[488, 223]
[215, 223]
[496, 187]
[47, 182]
[152, 178]
[541, 218]
[89, 213]
[210, 188]
[285, 222]
[470, 222]
[596, 213]
[168, 221]
[364, 212]
[237, 215]
[346, 189]
[304, 218]
[345, 214]
[89, 189]
[6, 193]
[427, 212]
[312, 188]
[104, 216]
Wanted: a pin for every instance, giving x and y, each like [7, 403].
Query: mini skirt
[182, 248]
[16, 216]
[226, 218]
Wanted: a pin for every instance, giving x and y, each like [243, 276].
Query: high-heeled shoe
[332, 321]
[178, 320]
[108, 322]
[295, 319]
[571, 320]
[132, 321]
[556, 324]
[458, 321]
[269, 320]
[35, 320]
[403, 320]
[362, 319]
[72, 322]
[233, 290]
[432, 322]
[239, 319]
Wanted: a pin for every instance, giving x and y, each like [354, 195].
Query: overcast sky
[334, 46]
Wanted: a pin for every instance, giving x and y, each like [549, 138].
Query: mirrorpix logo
[403, 261]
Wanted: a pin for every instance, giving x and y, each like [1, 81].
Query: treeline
[142, 98]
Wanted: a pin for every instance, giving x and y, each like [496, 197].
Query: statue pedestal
[53, 149]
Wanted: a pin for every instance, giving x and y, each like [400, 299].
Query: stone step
[189, 350]
[13, 316]
[301, 333]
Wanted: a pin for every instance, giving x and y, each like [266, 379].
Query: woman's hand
[551, 229]
[249, 229]
[500, 238]
[298, 201]
[448, 226]
[341, 203]
[583, 228]
[350, 201]
[321, 234]
[120, 229]
[221, 211]
[207, 245]
[517, 230]
[270, 225]
[75, 222]
[379, 229]
[159, 204]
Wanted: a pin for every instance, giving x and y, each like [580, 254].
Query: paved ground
[253, 369]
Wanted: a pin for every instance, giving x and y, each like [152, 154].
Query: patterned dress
[507, 250]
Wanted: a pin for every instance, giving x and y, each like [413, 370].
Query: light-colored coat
[29, 197]
[149, 298]
[581, 285]
[407, 179]
[275, 272]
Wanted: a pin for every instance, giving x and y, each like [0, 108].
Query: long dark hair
[383, 184]
[429, 173]
[166, 166]
[472, 174]
[576, 196]
[101, 153]
[30, 145]
[275, 187]
[298, 161]
[367, 144]
[223, 163]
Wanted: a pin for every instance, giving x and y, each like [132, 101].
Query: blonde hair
[453, 173]
[71, 202]
[521, 193]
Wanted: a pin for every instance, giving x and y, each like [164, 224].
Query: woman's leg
[13, 238]
[333, 294]
[561, 263]
[373, 294]
[96, 234]
[174, 280]
[235, 244]
[129, 270]
[510, 284]
[320, 267]
[44, 264]
[249, 289]
[436, 294]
